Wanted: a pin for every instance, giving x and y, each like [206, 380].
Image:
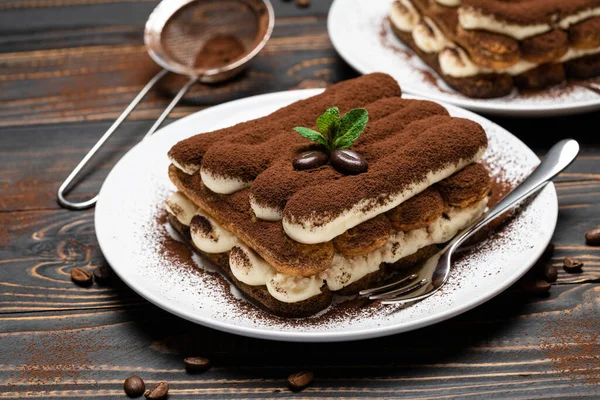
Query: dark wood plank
[67, 69]
[503, 349]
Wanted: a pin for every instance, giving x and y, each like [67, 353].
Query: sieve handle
[67, 183]
[171, 106]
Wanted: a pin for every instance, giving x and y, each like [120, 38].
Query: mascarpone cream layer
[248, 267]
[346, 270]
[472, 18]
[245, 264]
[213, 240]
[455, 62]
[189, 169]
[428, 36]
[181, 207]
[404, 15]
[222, 184]
[316, 230]
[448, 3]
[266, 213]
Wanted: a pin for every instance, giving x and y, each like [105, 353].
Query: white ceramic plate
[360, 33]
[129, 236]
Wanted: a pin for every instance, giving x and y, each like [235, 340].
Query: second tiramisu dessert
[332, 194]
[484, 48]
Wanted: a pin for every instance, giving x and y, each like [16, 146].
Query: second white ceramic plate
[131, 237]
[361, 34]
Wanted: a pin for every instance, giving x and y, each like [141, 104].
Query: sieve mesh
[213, 25]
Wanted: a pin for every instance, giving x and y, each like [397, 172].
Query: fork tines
[388, 291]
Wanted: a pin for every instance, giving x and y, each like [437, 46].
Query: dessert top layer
[408, 144]
[526, 12]
[261, 139]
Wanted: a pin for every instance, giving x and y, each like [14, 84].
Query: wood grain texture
[67, 69]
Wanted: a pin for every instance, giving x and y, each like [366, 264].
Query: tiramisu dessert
[484, 48]
[332, 194]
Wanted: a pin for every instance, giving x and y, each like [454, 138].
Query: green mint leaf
[351, 126]
[328, 122]
[312, 135]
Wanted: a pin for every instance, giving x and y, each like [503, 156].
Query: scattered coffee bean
[549, 273]
[300, 380]
[348, 161]
[303, 3]
[593, 237]
[310, 159]
[196, 364]
[158, 391]
[534, 286]
[572, 265]
[549, 251]
[81, 277]
[134, 386]
[103, 274]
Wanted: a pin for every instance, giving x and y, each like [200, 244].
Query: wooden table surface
[67, 69]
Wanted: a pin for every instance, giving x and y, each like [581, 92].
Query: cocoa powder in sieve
[219, 51]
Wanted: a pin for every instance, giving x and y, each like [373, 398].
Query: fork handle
[558, 158]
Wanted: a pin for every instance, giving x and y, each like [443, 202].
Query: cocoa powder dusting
[572, 343]
[346, 95]
[397, 162]
[64, 356]
[385, 41]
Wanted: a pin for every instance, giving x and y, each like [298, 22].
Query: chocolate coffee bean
[134, 386]
[549, 273]
[196, 364]
[534, 286]
[572, 265]
[300, 380]
[593, 237]
[81, 277]
[348, 161]
[102, 274]
[158, 391]
[310, 159]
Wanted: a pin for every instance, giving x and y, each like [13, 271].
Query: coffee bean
[593, 237]
[549, 273]
[534, 286]
[195, 364]
[158, 391]
[303, 3]
[572, 265]
[310, 159]
[81, 277]
[103, 274]
[348, 161]
[134, 386]
[300, 380]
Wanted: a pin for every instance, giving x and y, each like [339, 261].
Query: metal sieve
[207, 40]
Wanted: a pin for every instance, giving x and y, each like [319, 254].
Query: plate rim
[260, 333]
[479, 105]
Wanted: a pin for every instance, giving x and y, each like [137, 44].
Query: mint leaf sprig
[335, 132]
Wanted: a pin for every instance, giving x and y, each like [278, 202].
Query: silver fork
[559, 157]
